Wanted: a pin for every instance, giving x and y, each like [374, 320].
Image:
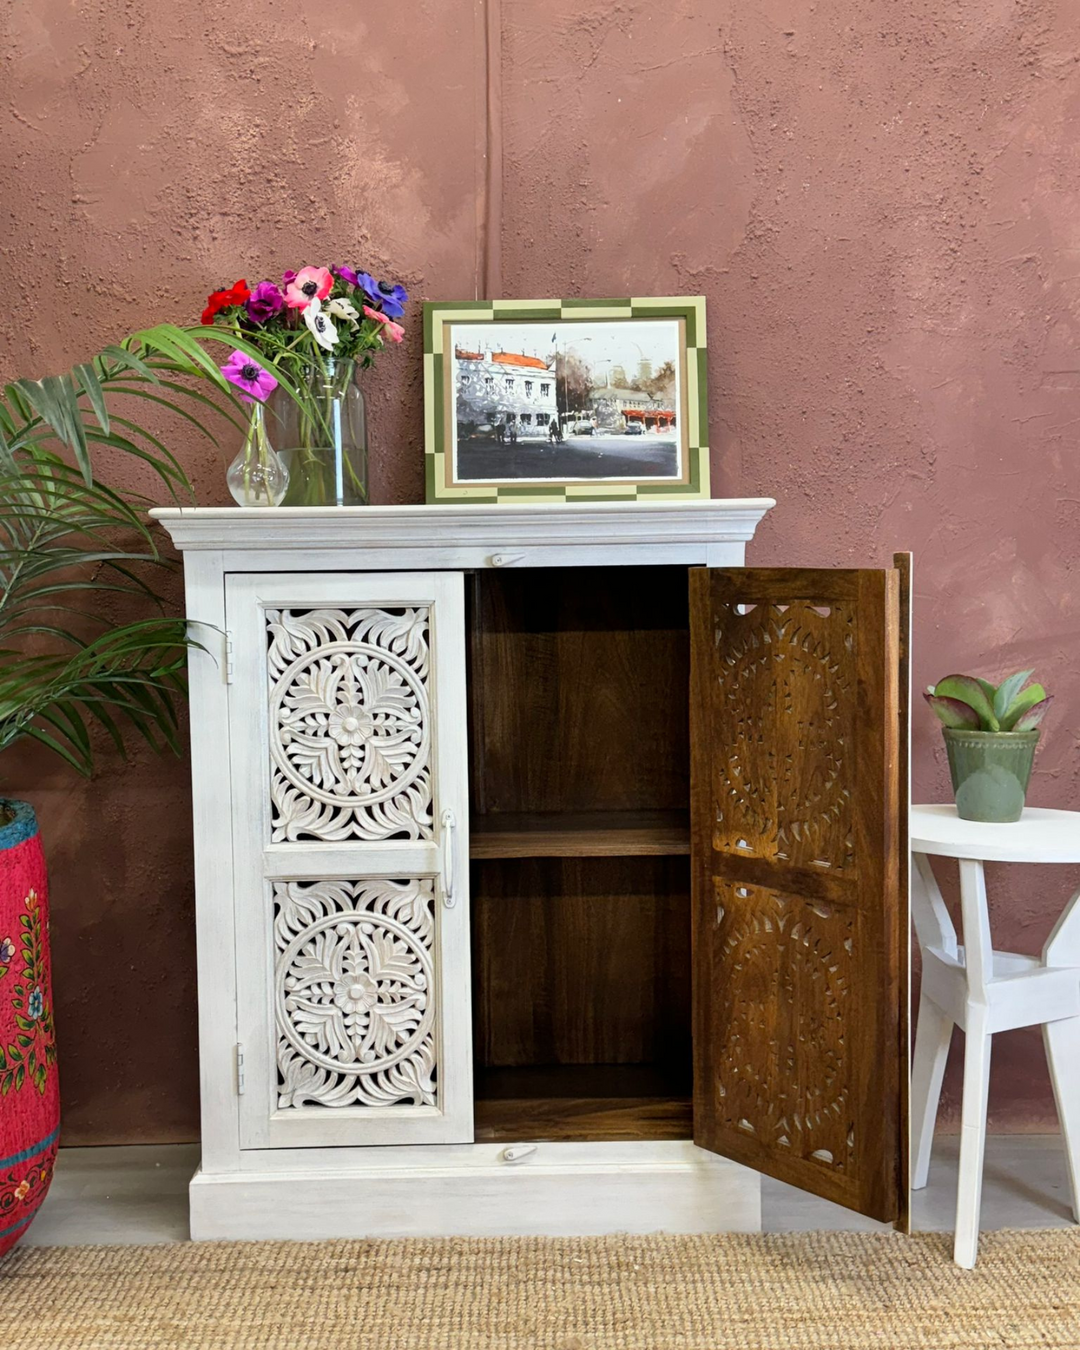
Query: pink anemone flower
[392, 330]
[255, 383]
[310, 283]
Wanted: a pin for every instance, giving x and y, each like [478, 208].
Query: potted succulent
[68, 542]
[990, 736]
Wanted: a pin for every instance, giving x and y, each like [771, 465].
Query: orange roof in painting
[516, 359]
[463, 355]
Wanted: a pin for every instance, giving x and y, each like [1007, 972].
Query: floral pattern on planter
[34, 1049]
[29, 1090]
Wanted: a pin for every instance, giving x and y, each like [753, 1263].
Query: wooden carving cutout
[799, 929]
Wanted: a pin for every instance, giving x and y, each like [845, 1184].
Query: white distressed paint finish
[261, 1175]
[983, 991]
[353, 979]
[487, 1190]
[211, 783]
[445, 536]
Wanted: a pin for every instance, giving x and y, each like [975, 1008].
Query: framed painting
[565, 400]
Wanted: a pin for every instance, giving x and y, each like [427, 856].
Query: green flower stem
[256, 452]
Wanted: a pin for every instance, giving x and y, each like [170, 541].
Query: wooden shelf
[581, 1102]
[585, 834]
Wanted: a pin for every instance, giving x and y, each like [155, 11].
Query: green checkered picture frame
[565, 400]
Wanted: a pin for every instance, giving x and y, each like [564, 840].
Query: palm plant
[68, 540]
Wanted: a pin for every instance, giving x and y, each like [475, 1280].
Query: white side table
[983, 991]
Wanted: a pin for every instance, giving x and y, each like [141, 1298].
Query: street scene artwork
[567, 401]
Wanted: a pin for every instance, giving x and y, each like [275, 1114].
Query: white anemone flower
[341, 308]
[320, 326]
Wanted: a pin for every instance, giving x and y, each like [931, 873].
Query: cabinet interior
[579, 788]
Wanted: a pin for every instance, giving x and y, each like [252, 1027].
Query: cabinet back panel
[579, 687]
[582, 961]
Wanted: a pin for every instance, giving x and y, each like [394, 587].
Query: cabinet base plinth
[554, 1190]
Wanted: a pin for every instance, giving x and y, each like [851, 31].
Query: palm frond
[68, 539]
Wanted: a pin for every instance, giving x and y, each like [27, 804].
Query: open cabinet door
[800, 911]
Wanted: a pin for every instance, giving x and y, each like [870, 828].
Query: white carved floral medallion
[354, 993]
[349, 719]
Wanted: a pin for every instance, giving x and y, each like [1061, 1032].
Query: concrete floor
[139, 1194]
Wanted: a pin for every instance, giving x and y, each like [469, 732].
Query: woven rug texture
[838, 1291]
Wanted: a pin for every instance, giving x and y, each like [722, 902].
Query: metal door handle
[506, 559]
[449, 824]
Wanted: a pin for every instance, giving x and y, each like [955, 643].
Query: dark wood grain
[903, 563]
[581, 1102]
[580, 834]
[579, 773]
[578, 690]
[582, 961]
[798, 920]
[585, 1119]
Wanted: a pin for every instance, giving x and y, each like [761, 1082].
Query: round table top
[1040, 835]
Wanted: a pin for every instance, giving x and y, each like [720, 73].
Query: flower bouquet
[314, 330]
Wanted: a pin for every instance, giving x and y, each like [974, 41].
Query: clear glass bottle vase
[257, 476]
[323, 439]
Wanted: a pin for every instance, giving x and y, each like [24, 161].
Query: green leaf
[88, 378]
[1030, 719]
[968, 690]
[953, 712]
[1025, 699]
[1007, 691]
[115, 359]
[988, 689]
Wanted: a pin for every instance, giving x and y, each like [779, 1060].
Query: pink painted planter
[29, 1094]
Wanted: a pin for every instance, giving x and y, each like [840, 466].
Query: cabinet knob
[505, 559]
[517, 1153]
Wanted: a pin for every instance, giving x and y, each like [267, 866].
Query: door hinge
[240, 1083]
[229, 665]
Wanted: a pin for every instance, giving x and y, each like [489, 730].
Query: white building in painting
[495, 389]
[615, 407]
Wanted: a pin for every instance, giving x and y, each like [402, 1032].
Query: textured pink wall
[879, 200]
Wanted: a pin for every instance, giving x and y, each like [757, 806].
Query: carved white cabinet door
[350, 830]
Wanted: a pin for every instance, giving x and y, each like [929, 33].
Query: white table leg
[933, 1034]
[972, 1137]
[1062, 1041]
[979, 967]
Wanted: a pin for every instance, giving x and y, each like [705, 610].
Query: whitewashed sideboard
[353, 744]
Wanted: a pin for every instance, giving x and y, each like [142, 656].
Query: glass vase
[324, 438]
[257, 476]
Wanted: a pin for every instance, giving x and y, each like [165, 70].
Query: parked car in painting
[635, 429]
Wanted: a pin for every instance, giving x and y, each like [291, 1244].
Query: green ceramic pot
[990, 772]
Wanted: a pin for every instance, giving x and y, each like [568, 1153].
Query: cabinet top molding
[730, 520]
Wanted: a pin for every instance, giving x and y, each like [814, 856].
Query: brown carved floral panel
[784, 1071]
[786, 669]
[798, 920]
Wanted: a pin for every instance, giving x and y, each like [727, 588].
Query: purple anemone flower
[255, 383]
[390, 299]
[287, 278]
[264, 302]
[347, 274]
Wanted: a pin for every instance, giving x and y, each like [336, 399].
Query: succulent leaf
[1025, 699]
[1034, 715]
[1007, 690]
[968, 690]
[988, 689]
[954, 713]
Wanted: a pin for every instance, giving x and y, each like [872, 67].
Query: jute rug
[843, 1291]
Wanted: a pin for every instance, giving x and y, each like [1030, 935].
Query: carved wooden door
[800, 917]
[350, 815]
